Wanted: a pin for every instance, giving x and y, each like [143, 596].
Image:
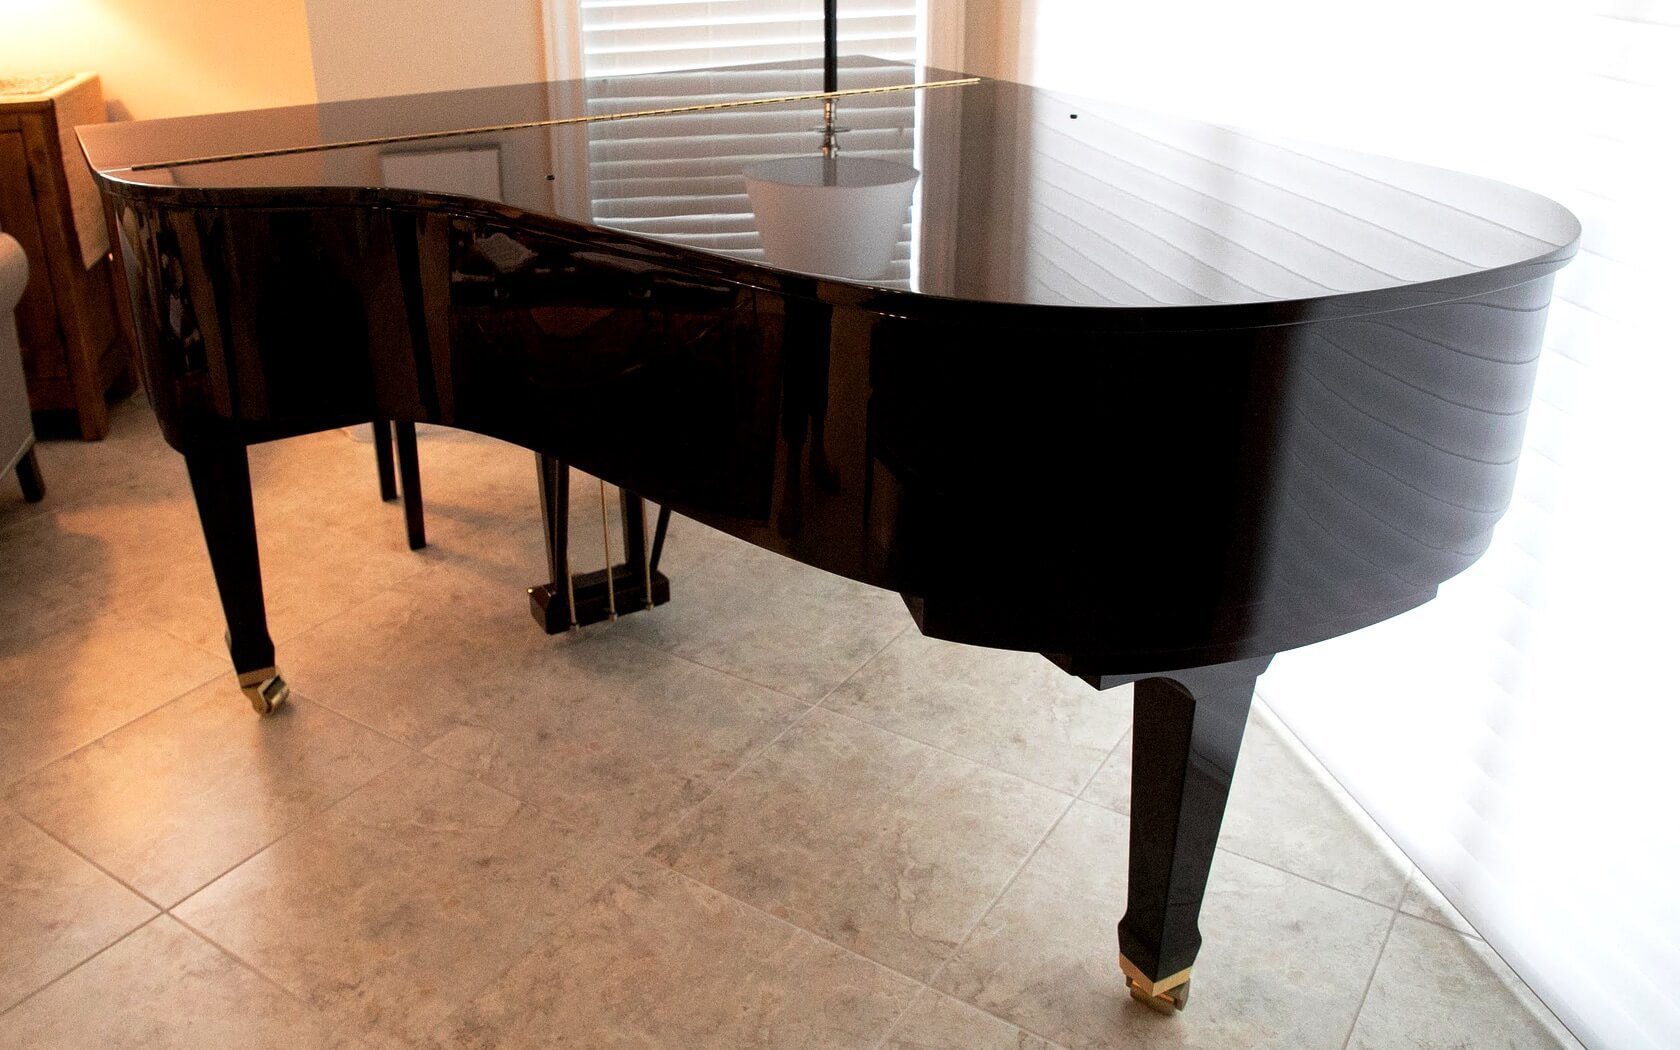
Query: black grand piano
[1154, 398]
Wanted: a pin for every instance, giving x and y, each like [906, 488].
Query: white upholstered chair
[17, 433]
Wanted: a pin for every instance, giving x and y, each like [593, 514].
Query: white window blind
[1516, 736]
[688, 186]
[635, 36]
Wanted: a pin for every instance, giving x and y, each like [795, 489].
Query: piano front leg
[1186, 729]
[221, 484]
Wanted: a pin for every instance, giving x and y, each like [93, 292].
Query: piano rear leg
[408, 468]
[1186, 730]
[383, 459]
[221, 484]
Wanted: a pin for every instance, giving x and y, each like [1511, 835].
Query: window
[649, 183]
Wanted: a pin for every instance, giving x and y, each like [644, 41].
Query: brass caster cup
[1167, 996]
[265, 689]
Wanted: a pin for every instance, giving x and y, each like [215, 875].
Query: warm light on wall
[161, 58]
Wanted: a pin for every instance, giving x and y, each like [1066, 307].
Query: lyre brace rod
[606, 544]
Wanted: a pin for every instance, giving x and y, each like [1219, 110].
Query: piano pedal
[1167, 996]
[265, 689]
[589, 604]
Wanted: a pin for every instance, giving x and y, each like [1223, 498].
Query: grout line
[306, 819]
[1371, 978]
[847, 716]
[681, 818]
[9, 791]
[547, 937]
[125, 936]
[1308, 878]
[746, 760]
[967, 1006]
[752, 757]
[743, 679]
[1222, 848]
[962, 943]
[335, 1022]
[790, 924]
[101, 868]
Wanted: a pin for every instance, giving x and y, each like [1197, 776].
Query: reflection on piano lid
[837, 216]
[1026, 197]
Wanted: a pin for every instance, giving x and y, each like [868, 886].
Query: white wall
[367, 48]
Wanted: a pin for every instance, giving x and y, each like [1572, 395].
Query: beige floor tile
[115, 473]
[883, 845]
[1435, 989]
[175, 798]
[1013, 711]
[422, 657]
[394, 907]
[144, 561]
[310, 574]
[616, 738]
[939, 1022]
[1424, 901]
[1283, 961]
[163, 987]
[657, 960]
[1284, 810]
[56, 909]
[82, 561]
[64, 688]
[773, 621]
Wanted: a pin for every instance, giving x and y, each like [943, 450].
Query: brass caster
[1167, 1002]
[265, 689]
[1167, 996]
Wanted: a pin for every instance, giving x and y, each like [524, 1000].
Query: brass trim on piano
[423, 136]
[264, 688]
[1167, 995]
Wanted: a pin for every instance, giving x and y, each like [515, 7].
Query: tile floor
[768, 814]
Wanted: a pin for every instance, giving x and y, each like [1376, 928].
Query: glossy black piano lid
[1021, 196]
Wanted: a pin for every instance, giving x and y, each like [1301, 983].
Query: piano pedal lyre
[1167, 996]
[602, 594]
[606, 545]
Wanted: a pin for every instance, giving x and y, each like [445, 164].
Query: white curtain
[1520, 736]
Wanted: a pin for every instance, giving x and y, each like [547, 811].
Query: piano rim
[909, 305]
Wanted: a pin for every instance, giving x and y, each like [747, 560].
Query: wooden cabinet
[75, 354]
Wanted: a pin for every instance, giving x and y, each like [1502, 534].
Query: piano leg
[1186, 730]
[408, 468]
[383, 461]
[221, 484]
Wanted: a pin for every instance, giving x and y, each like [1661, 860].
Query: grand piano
[1154, 398]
